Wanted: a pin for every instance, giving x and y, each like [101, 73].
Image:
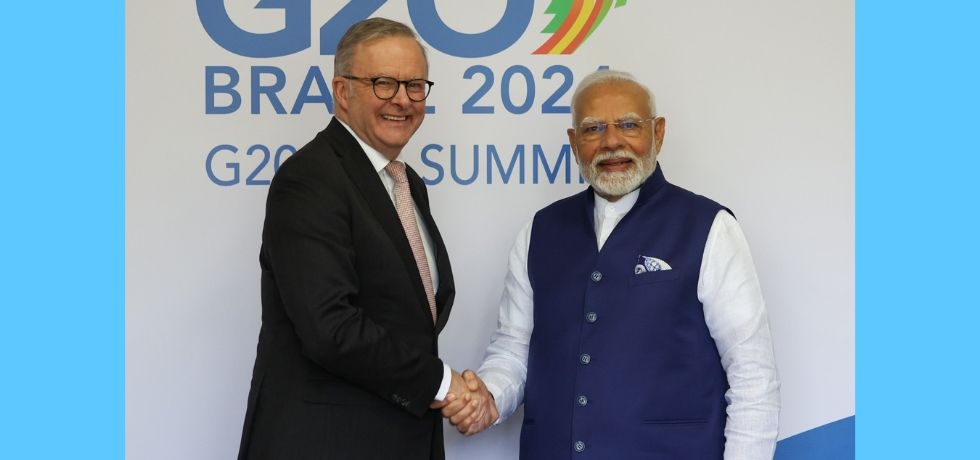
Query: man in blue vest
[632, 324]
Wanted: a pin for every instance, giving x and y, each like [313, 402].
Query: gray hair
[606, 76]
[366, 31]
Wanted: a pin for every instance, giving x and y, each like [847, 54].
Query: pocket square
[650, 264]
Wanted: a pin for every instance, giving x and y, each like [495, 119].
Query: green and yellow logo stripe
[574, 22]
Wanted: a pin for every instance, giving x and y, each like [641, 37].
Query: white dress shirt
[734, 311]
[380, 162]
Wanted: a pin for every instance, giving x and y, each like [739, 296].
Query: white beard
[618, 183]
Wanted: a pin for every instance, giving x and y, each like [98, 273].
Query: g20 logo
[574, 21]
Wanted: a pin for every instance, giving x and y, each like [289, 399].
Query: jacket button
[579, 446]
[597, 276]
[583, 401]
[585, 358]
[591, 316]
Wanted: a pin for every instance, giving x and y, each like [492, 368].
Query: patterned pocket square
[650, 264]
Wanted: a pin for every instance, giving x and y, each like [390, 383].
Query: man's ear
[659, 128]
[572, 142]
[341, 92]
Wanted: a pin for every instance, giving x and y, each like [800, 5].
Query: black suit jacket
[347, 361]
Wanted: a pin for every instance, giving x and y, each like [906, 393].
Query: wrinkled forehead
[612, 101]
[398, 52]
[628, 116]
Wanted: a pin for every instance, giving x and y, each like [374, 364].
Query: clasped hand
[469, 406]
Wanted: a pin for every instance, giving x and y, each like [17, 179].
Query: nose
[612, 138]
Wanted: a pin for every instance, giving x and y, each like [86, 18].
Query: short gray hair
[606, 76]
[366, 31]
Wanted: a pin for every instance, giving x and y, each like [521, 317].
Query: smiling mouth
[394, 117]
[616, 163]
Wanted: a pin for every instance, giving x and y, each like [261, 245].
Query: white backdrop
[759, 102]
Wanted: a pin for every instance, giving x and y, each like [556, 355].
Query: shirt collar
[620, 206]
[378, 160]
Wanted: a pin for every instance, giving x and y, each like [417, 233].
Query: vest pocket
[653, 277]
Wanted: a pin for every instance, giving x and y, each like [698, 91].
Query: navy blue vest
[621, 365]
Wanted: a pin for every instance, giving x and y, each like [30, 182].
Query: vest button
[591, 316]
[585, 358]
[596, 276]
[582, 401]
[579, 446]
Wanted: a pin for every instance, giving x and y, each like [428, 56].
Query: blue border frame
[917, 99]
[62, 276]
[62, 341]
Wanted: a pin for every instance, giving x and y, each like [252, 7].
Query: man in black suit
[347, 363]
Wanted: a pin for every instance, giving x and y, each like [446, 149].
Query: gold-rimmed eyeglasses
[386, 87]
[591, 131]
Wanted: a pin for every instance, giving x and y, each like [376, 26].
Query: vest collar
[648, 188]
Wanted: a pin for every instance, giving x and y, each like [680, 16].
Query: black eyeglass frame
[374, 86]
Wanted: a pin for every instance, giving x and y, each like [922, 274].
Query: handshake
[469, 406]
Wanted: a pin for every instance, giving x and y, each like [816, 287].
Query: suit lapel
[366, 180]
[447, 286]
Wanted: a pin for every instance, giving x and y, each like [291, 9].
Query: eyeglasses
[386, 87]
[628, 128]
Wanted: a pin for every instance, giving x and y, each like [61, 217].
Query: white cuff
[447, 378]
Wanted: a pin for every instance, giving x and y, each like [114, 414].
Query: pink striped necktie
[406, 214]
